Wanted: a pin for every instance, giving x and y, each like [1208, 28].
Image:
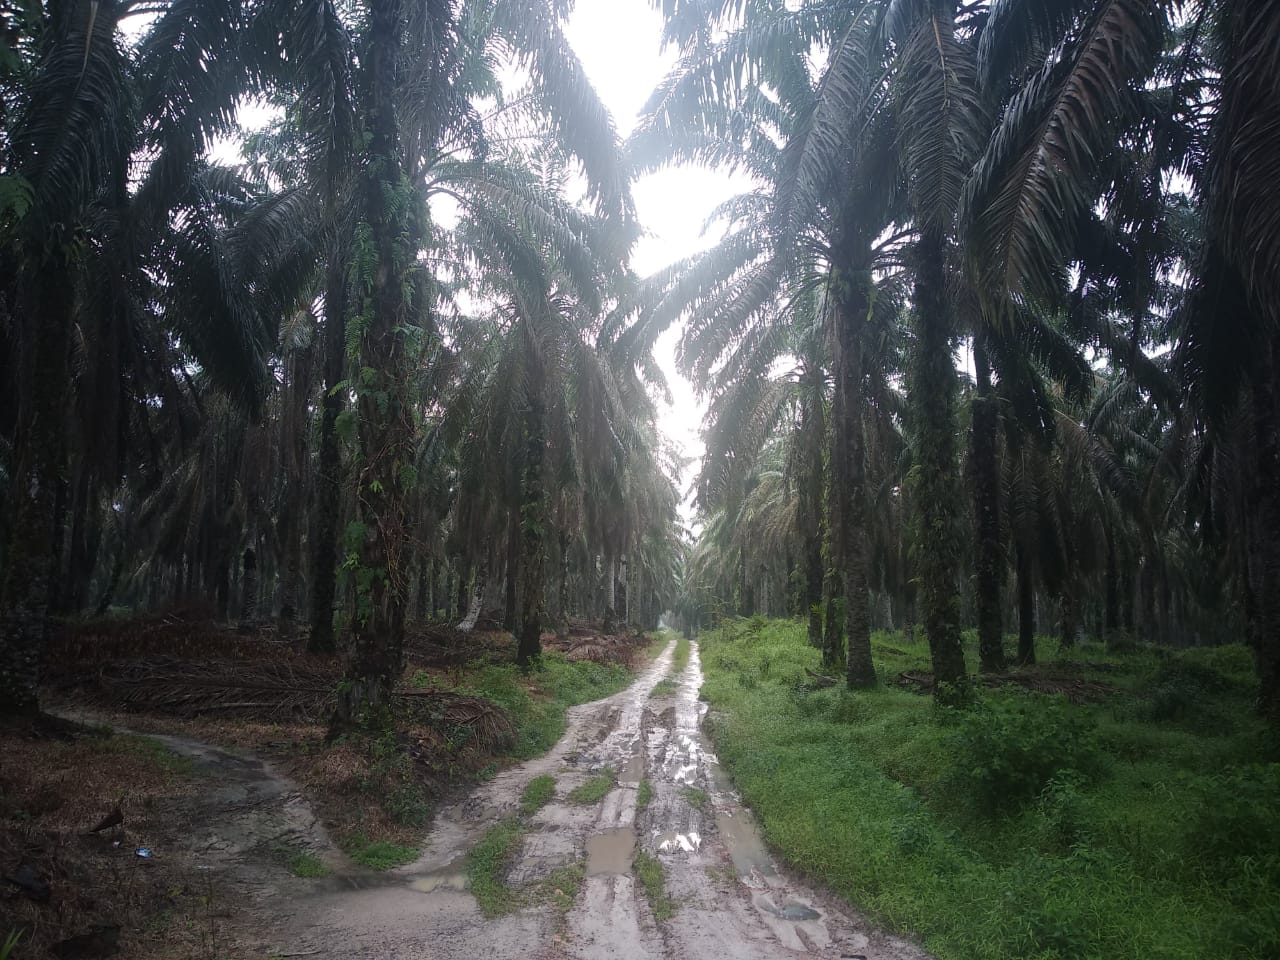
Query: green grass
[559, 888]
[305, 865]
[680, 657]
[595, 789]
[644, 794]
[537, 703]
[490, 859]
[649, 872]
[381, 854]
[697, 799]
[537, 794]
[1159, 840]
[487, 866]
[665, 687]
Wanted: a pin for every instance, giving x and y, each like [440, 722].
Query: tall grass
[1130, 837]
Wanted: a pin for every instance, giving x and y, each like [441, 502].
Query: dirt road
[729, 898]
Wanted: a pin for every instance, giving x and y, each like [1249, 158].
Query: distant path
[731, 900]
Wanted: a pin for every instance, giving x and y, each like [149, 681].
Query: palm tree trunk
[746, 596]
[1069, 614]
[533, 523]
[1111, 623]
[386, 415]
[40, 462]
[510, 614]
[1266, 530]
[935, 487]
[610, 592]
[562, 619]
[249, 597]
[833, 626]
[294, 430]
[460, 595]
[986, 500]
[849, 477]
[328, 485]
[1026, 608]
[809, 504]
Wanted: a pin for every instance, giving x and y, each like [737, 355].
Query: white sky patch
[620, 45]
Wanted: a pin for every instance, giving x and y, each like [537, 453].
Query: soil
[730, 898]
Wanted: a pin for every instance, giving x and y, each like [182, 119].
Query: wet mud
[730, 897]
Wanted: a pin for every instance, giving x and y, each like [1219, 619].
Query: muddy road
[668, 800]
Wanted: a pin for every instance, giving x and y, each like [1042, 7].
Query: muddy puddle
[610, 853]
[746, 848]
[632, 771]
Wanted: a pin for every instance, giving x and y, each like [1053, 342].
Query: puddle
[609, 853]
[633, 772]
[744, 845]
[791, 910]
[439, 881]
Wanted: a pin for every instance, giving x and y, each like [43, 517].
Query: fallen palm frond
[597, 648]
[1076, 690]
[470, 721]
[189, 633]
[275, 691]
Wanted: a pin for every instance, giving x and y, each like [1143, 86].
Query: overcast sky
[619, 43]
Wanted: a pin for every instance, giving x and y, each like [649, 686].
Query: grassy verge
[697, 799]
[665, 687]
[680, 656]
[305, 865]
[652, 880]
[537, 703]
[595, 789]
[644, 794]
[378, 800]
[1142, 825]
[487, 865]
[537, 794]
[489, 861]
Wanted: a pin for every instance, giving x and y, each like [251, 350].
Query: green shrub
[408, 806]
[1011, 747]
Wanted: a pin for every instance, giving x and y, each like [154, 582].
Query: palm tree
[86, 103]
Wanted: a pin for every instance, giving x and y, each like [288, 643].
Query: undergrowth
[537, 702]
[1026, 827]
[376, 792]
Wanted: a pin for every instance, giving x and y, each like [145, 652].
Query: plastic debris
[144, 852]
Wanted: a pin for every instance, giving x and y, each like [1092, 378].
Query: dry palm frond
[465, 721]
[278, 691]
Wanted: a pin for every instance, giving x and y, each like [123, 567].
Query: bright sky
[619, 43]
